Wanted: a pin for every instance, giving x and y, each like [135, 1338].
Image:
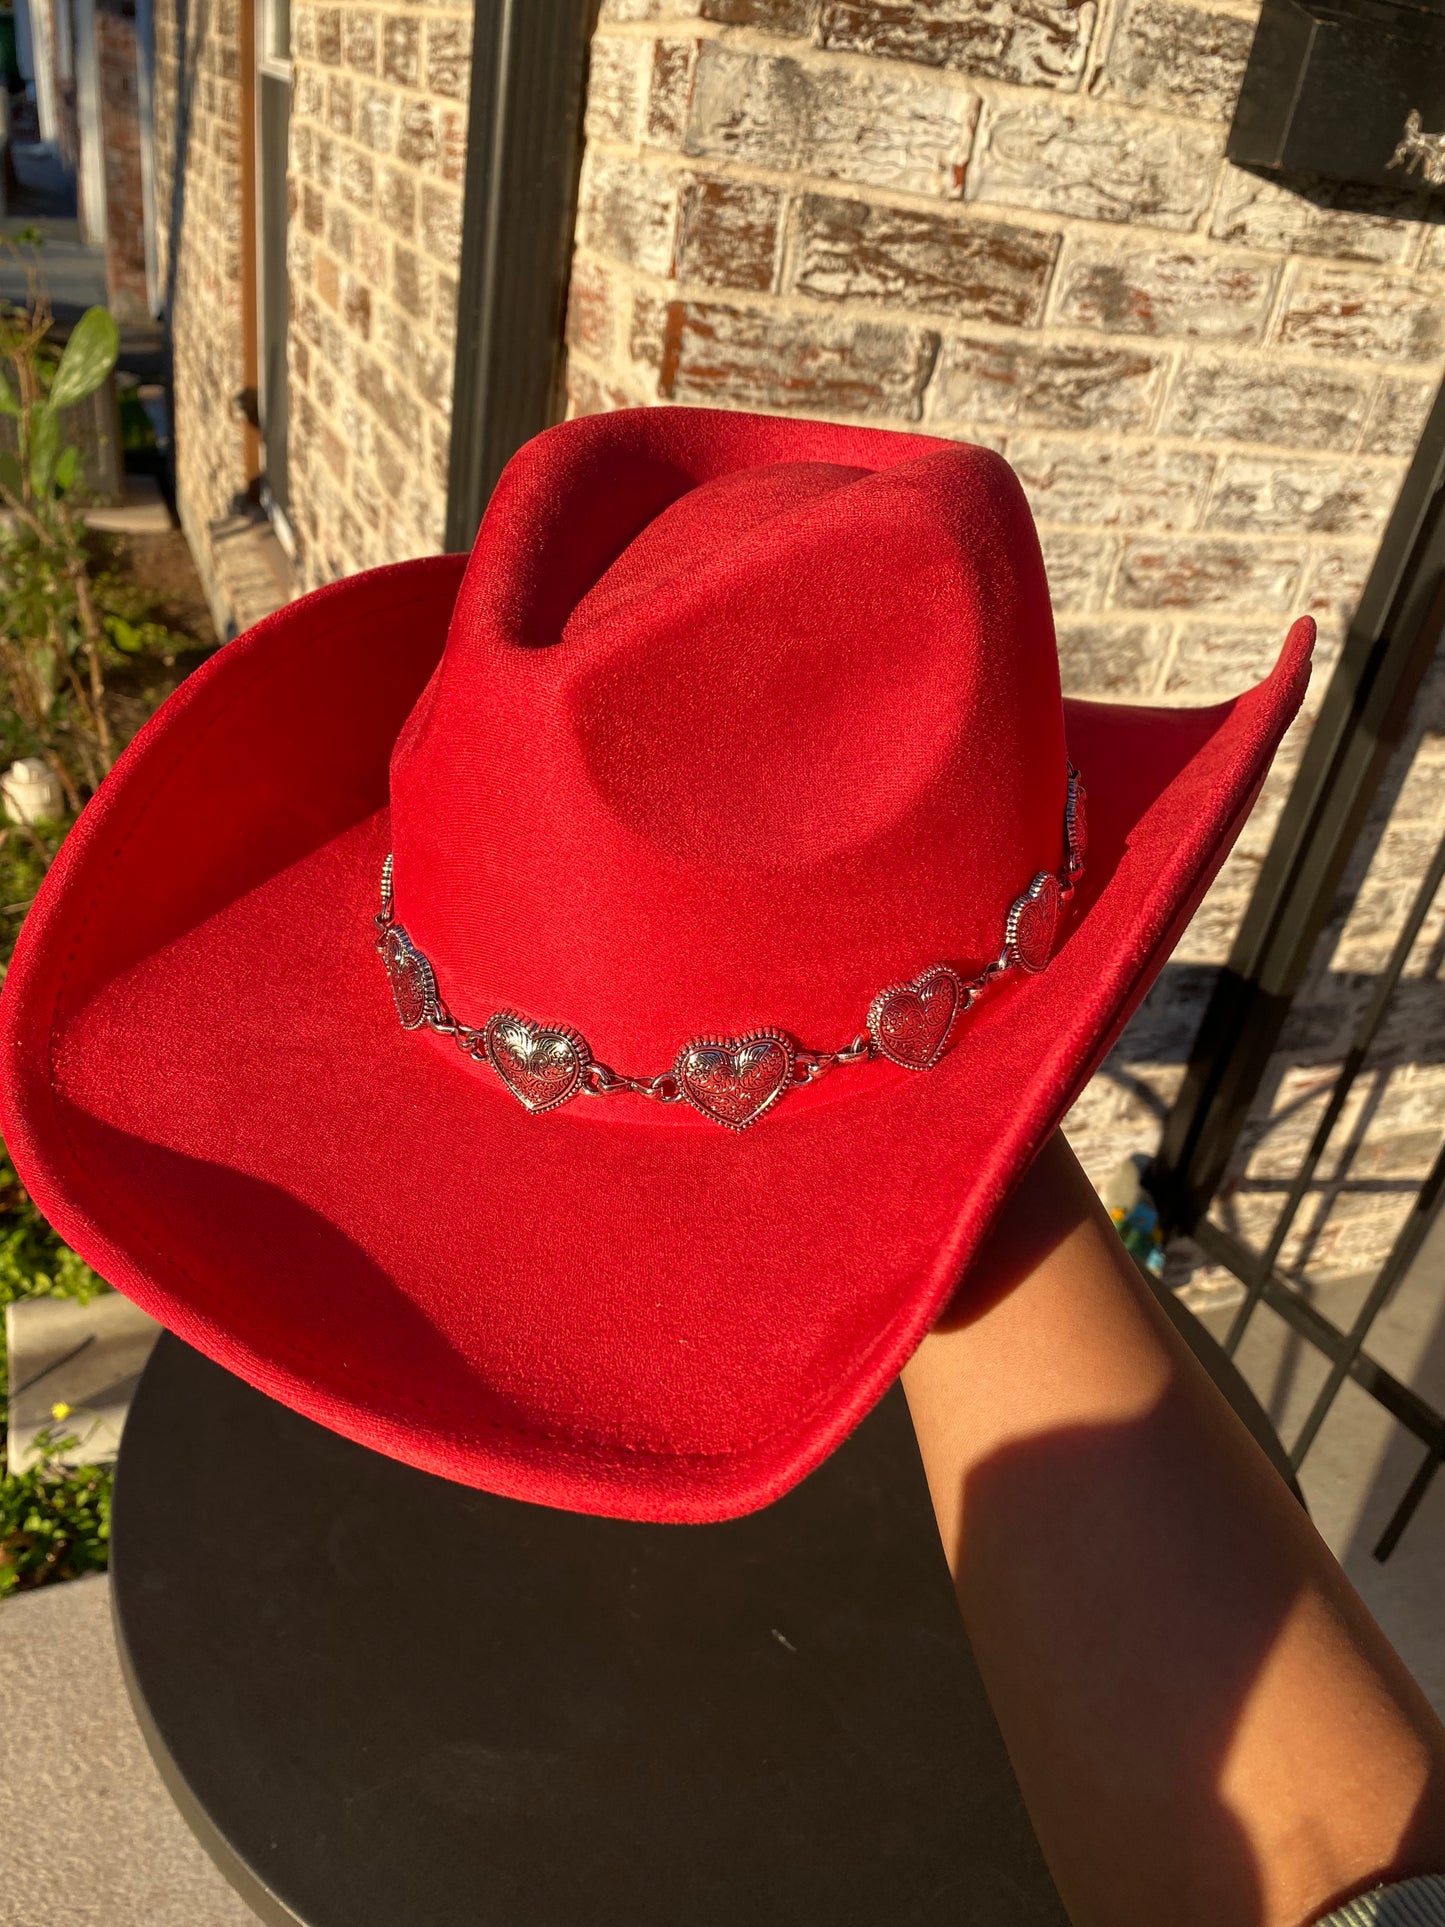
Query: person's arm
[1208, 1727]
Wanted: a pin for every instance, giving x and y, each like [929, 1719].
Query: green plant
[60, 625]
[52, 634]
[54, 1520]
[33, 1261]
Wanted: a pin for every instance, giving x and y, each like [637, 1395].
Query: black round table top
[383, 1699]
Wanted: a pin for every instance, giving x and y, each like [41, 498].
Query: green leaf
[89, 356]
[67, 467]
[8, 404]
[44, 445]
[10, 476]
[125, 635]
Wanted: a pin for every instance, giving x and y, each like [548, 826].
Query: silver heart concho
[733, 1080]
[1033, 923]
[542, 1065]
[413, 982]
[911, 1023]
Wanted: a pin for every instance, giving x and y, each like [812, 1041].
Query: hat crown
[739, 719]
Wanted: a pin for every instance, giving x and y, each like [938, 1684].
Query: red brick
[328, 280]
[669, 94]
[785, 17]
[1033, 43]
[982, 380]
[1333, 585]
[441, 224]
[328, 36]
[401, 50]
[416, 141]
[728, 234]
[591, 310]
[448, 58]
[1078, 563]
[444, 311]
[1164, 291]
[371, 254]
[1310, 217]
[1185, 573]
[453, 136]
[710, 353]
[411, 282]
[977, 270]
[356, 306]
[1102, 658]
[588, 395]
[375, 120]
[340, 106]
[391, 403]
[333, 449]
[340, 233]
[1341, 311]
[358, 179]
[398, 201]
[125, 242]
[358, 35]
[1211, 661]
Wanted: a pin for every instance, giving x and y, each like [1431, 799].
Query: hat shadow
[251, 1275]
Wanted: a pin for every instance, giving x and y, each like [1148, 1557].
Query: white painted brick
[1078, 563]
[1173, 290]
[1043, 155]
[1030, 43]
[1110, 484]
[1294, 496]
[880, 129]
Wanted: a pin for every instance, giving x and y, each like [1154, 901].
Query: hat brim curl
[207, 1092]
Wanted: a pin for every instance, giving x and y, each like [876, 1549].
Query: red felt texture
[732, 723]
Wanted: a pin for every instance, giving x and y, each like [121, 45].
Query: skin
[1208, 1727]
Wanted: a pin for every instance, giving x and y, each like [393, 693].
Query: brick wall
[1011, 221]
[125, 248]
[378, 145]
[198, 193]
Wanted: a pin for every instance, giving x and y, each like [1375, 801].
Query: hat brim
[207, 1092]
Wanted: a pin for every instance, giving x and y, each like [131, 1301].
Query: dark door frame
[529, 69]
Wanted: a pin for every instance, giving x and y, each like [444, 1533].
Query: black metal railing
[1353, 766]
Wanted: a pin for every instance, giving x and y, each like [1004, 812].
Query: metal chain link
[600, 1080]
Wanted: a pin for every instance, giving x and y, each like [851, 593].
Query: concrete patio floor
[88, 1835]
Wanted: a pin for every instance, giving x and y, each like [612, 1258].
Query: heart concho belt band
[734, 1080]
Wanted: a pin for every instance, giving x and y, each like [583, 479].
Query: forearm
[1207, 1725]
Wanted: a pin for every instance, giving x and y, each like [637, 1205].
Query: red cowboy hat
[736, 756]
